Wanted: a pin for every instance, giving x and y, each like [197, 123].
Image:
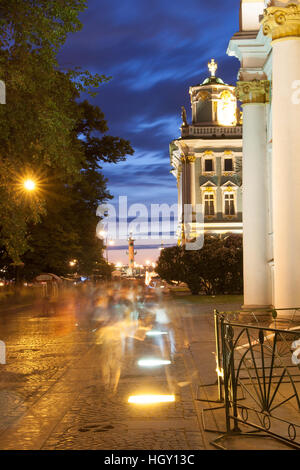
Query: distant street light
[104, 236]
[108, 243]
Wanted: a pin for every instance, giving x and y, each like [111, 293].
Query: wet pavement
[68, 378]
[71, 369]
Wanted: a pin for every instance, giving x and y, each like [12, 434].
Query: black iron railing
[258, 371]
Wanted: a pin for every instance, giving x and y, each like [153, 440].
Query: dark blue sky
[154, 50]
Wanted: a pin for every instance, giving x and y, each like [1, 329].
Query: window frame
[233, 193]
[226, 159]
[208, 156]
[214, 199]
[229, 155]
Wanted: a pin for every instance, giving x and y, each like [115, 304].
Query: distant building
[207, 159]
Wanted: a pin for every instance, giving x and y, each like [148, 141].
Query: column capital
[188, 159]
[282, 22]
[179, 173]
[254, 91]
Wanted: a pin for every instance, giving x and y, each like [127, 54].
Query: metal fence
[258, 369]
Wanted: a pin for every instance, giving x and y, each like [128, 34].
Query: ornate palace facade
[268, 48]
[207, 159]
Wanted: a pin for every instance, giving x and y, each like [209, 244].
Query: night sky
[154, 50]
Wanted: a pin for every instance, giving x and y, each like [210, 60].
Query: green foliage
[103, 270]
[38, 25]
[67, 230]
[216, 269]
[171, 265]
[48, 135]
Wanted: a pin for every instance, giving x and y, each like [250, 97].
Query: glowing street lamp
[29, 185]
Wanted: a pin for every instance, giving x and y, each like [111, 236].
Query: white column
[286, 173]
[192, 183]
[185, 194]
[256, 285]
[254, 94]
[281, 22]
[189, 189]
[179, 186]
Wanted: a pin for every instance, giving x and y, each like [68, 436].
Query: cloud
[154, 50]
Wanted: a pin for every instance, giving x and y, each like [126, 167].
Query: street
[69, 375]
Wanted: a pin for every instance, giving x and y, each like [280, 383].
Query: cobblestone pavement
[53, 394]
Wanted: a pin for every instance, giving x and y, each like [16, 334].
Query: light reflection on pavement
[69, 374]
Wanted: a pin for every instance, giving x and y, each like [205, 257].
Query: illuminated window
[209, 204]
[228, 164]
[227, 108]
[229, 207]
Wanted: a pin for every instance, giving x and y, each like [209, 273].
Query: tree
[38, 124]
[170, 266]
[215, 269]
[68, 229]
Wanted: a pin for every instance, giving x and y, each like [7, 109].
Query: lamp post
[109, 243]
[29, 185]
[104, 236]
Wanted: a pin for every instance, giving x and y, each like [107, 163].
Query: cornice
[281, 22]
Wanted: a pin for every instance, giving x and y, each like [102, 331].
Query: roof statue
[212, 67]
[183, 116]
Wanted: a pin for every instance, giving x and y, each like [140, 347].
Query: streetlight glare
[29, 185]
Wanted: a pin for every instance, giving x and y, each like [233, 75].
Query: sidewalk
[15, 308]
[52, 394]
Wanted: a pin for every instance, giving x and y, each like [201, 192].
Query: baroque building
[207, 160]
[268, 48]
